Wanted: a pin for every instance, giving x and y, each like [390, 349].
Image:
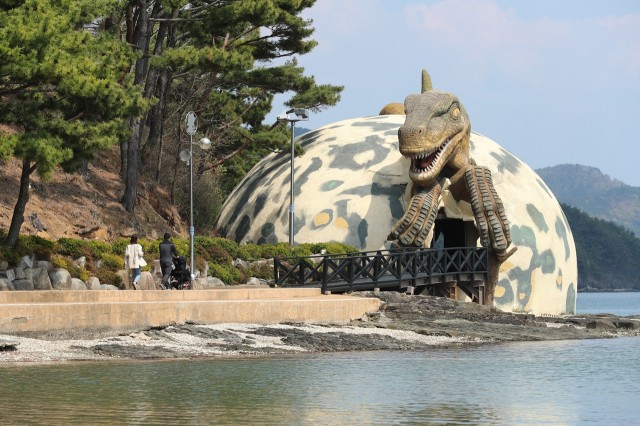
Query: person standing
[134, 260]
[168, 252]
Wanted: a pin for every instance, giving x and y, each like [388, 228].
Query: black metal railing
[382, 268]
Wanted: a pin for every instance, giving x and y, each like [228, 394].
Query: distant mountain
[595, 193]
[300, 131]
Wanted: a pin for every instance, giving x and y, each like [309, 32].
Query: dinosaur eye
[455, 113]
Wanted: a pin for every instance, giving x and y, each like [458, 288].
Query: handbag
[142, 262]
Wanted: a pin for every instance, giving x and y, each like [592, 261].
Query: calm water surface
[595, 382]
[620, 303]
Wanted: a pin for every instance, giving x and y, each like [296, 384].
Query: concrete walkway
[104, 310]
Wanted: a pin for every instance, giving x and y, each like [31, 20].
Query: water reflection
[525, 383]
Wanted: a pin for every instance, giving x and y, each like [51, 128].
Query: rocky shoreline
[403, 323]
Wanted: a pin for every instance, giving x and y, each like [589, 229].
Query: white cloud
[489, 35]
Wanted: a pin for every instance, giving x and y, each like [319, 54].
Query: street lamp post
[293, 116]
[191, 125]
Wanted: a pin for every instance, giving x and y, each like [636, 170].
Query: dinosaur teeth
[426, 161]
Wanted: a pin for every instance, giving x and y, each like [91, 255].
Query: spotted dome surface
[350, 186]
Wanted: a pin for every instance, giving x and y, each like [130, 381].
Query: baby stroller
[180, 278]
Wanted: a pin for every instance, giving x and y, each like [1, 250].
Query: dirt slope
[87, 205]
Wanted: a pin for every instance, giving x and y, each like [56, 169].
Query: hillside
[595, 193]
[607, 252]
[87, 204]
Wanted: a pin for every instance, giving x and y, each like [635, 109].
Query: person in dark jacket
[168, 251]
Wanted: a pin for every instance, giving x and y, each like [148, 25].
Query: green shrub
[200, 262]
[82, 274]
[73, 247]
[10, 255]
[109, 277]
[202, 245]
[302, 250]
[228, 245]
[227, 273]
[261, 270]
[58, 261]
[99, 248]
[182, 245]
[70, 265]
[37, 244]
[249, 251]
[112, 262]
[334, 247]
[119, 245]
[150, 247]
[219, 255]
[268, 251]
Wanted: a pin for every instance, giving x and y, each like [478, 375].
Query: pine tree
[225, 60]
[63, 88]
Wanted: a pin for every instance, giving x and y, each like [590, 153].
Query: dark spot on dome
[561, 230]
[537, 217]
[523, 236]
[267, 234]
[363, 232]
[522, 277]
[316, 164]
[343, 156]
[507, 297]
[267, 229]
[243, 228]
[547, 262]
[330, 185]
[260, 202]
[298, 223]
[506, 159]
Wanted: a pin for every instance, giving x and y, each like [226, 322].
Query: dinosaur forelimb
[418, 220]
[488, 211]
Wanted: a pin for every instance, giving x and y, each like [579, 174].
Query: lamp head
[185, 155]
[301, 114]
[205, 143]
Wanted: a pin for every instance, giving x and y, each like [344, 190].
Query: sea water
[616, 303]
[594, 382]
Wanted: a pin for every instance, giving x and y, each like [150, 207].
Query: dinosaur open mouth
[425, 162]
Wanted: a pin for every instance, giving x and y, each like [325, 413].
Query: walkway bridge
[437, 272]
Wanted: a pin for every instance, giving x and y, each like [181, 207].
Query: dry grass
[87, 205]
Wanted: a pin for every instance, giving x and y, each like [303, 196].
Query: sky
[552, 81]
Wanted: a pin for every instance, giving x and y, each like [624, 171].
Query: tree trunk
[158, 83]
[156, 125]
[131, 163]
[130, 195]
[23, 197]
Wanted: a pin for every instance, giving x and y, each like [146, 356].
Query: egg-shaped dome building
[350, 185]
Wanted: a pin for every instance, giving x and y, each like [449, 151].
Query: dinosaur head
[435, 133]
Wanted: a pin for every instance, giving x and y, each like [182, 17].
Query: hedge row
[104, 259]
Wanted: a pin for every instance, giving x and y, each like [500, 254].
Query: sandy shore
[402, 323]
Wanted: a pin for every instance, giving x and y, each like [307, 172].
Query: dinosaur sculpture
[435, 137]
[352, 186]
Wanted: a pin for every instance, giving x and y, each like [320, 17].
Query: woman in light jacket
[133, 259]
